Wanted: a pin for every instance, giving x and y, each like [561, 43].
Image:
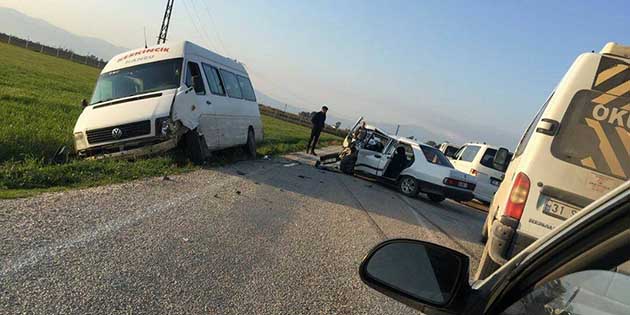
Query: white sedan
[411, 166]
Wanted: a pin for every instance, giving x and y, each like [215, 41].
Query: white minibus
[149, 100]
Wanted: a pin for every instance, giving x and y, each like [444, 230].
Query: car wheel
[250, 147]
[436, 198]
[347, 164]
[194, 147]
[486, 265]
[408, 186]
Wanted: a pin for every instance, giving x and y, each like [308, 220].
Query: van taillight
[518, 197]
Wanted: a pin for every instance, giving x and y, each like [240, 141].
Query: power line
[214, 26]
[195, 23]
[201, 24]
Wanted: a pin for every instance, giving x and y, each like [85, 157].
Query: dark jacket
[319, 120]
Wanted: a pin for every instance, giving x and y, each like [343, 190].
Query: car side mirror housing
[501, 159]
[84, 103]
[198, 83]
[421, 275]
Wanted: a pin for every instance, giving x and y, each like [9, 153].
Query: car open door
[370, 157]
[348, 139]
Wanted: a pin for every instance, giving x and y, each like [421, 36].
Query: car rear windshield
[435, 156]
[140, 79]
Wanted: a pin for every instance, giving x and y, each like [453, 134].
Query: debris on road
[238, 192]
[185, 239]
[166, 177]
[266, 157]
[291, 164]
[304, 177]
[240, 173]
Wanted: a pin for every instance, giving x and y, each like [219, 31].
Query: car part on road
[409, 186]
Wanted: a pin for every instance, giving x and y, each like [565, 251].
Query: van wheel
[250, 146]
[347, 164]
[408, 186]
[195, 147]
[436, 198]
[486, 265]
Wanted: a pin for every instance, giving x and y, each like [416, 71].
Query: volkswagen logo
[116, 133]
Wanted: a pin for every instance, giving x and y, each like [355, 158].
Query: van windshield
[144, 78]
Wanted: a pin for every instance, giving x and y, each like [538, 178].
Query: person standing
[319, 121]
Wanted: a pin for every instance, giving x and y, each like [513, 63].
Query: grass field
[39, 104]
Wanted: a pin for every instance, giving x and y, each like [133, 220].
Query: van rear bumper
[505, 241]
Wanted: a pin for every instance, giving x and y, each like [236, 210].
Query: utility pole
[165, 21]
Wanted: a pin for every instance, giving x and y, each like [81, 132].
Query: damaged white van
[150, 100]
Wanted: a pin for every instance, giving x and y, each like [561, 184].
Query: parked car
[412, 167]
[149, 100]
[477, 159]
[582, 267]
[576, 149]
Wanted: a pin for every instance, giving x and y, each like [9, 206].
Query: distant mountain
[15, 23]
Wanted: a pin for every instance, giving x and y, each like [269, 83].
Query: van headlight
[79, 141]
[164, 126]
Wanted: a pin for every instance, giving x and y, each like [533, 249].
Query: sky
[469, 70]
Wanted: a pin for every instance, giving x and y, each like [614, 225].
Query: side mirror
[421, 275]
[198, 83]
[84, 103]
[501, 159]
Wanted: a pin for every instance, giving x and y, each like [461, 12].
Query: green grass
[39, 104]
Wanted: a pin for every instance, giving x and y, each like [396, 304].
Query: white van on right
[477, 159]
[576, 149]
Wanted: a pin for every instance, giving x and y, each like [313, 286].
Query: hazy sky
[453, 65]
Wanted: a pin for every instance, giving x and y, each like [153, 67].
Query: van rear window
[595, 130]
[594, 135]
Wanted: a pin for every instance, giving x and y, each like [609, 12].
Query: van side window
[214, 80]
[193, 71]
[470, 153]
[231, 84]
[530, 130]
[246, 88]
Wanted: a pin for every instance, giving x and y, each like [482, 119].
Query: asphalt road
[256, 237]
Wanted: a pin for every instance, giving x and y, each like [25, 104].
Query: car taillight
[458, 183]
[473, 171]
[518, 197]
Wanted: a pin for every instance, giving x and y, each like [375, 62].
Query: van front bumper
[505, 241]
[132, 149]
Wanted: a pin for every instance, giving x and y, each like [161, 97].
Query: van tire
[408, 186]
[486, 265]
[436, 198]
[347, 164]
[250, 146]
[194, 144]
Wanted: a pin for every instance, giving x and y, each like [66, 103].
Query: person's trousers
[315, 132]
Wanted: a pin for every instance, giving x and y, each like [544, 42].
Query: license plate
[558, 209]
[462, 184]
[495, 182]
